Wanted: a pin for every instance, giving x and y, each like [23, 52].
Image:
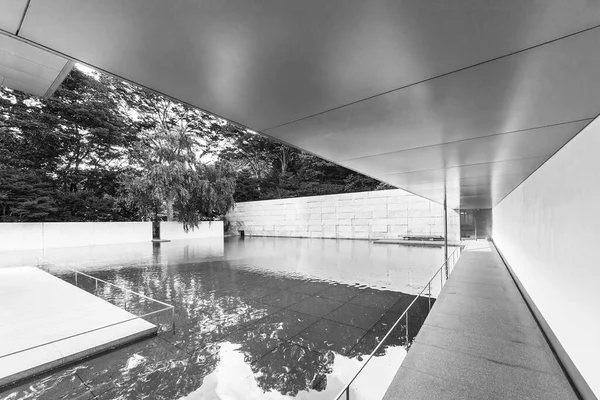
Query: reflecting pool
[260, 318]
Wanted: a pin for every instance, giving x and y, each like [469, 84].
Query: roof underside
[22, 66]
[432, 96]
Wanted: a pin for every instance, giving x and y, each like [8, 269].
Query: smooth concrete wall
[547, 230]
[22, 236]
[206, 229]
[384, 214]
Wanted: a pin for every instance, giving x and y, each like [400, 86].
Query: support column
[445, 232]
[475, 224]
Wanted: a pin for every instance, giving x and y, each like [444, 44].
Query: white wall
[21, 236]
[547, 229]
[364, 215]
[206, 229]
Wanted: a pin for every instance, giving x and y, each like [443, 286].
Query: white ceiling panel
[495, 184]
[523, 166]
[510, 146]
[30, 69]
[27, 66]
[9, 45]
[24, 77]
[493, 189]
[11, 14]
[552, 84]
[267, 62]
[25, 86]
[436, 97]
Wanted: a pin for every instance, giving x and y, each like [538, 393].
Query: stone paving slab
[480, 341]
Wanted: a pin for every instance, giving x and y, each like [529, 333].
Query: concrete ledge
[48, 323]
[62, 361]
[426, 243]
[16, 236]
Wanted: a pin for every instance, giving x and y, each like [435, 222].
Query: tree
[154, 113]
[246, 187]
[248, 151]
[25, 196]
[207, 193]
[171, 178]
[103, 150]
[76, 142]
[360, 183]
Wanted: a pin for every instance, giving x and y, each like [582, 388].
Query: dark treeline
[104, 150]
[271, 170]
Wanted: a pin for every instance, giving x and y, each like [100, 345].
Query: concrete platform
[426, 243]
[44, 321]
[480, 341]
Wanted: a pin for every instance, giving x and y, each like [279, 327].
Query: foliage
[104, 150]
[64, 152]
[25, 196]
[174, 179]
[271, 170]
[208, 194]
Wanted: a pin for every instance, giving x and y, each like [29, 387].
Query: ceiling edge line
[549, 158]
[435, 77]
[465, 165]
[458, 184]
[59, 79]
[23, 17]
[475, 138]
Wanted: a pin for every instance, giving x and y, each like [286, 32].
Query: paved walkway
[480, 341]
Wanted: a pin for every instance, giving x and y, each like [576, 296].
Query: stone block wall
[384, 214]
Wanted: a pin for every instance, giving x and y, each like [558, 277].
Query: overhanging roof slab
[384, 87]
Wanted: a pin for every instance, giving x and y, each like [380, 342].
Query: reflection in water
[255, 318]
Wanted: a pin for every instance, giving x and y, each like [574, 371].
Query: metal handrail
[346, 388]
[103, 281]
[76, 272]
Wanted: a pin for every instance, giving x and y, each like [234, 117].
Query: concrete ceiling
[467, 98]
[22, 66]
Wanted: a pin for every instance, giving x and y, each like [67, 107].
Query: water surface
[272, 318]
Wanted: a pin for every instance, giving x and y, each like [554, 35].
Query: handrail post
[446, 231]
[454, 259]
[429, 295]
[406, 325]
[76, 278]
[173, 318]
[398, 323]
